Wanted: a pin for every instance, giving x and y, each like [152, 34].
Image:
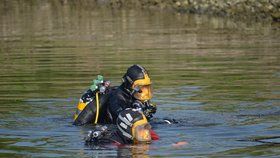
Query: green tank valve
[94, 86]
[96, 82]
[100, 78]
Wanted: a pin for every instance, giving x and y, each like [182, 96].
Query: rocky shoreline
[256, 10]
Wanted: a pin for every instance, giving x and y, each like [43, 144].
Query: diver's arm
[117, 104]
[147, 108]
[151, 108]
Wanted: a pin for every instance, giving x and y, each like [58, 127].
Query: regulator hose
[97, 108]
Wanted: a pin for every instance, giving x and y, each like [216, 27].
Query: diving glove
[147, 108]
[150, 110]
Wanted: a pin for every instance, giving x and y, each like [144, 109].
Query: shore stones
[261, 10]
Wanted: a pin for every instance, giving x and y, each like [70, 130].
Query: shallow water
[219, 79]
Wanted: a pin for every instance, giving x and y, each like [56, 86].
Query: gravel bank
[260, 10]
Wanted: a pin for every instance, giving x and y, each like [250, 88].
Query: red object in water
[154, 135]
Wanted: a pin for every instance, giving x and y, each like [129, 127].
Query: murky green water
[219, 79]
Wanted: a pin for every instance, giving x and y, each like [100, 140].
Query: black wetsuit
[121, 99]
[111, 104]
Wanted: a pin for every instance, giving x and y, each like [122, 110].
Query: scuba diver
[103, 103]
[134, 92]
[132, 128]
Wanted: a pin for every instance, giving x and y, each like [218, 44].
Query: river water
[218, 78]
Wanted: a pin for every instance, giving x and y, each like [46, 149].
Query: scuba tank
[92, 107]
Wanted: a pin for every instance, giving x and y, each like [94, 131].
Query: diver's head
[134, 126]
[138, 82]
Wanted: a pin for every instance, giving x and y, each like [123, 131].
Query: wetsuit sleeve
[116, 105]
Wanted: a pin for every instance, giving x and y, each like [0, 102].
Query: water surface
[218, 78]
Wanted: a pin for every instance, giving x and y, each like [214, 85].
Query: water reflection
[264, 149]
[218, 78]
